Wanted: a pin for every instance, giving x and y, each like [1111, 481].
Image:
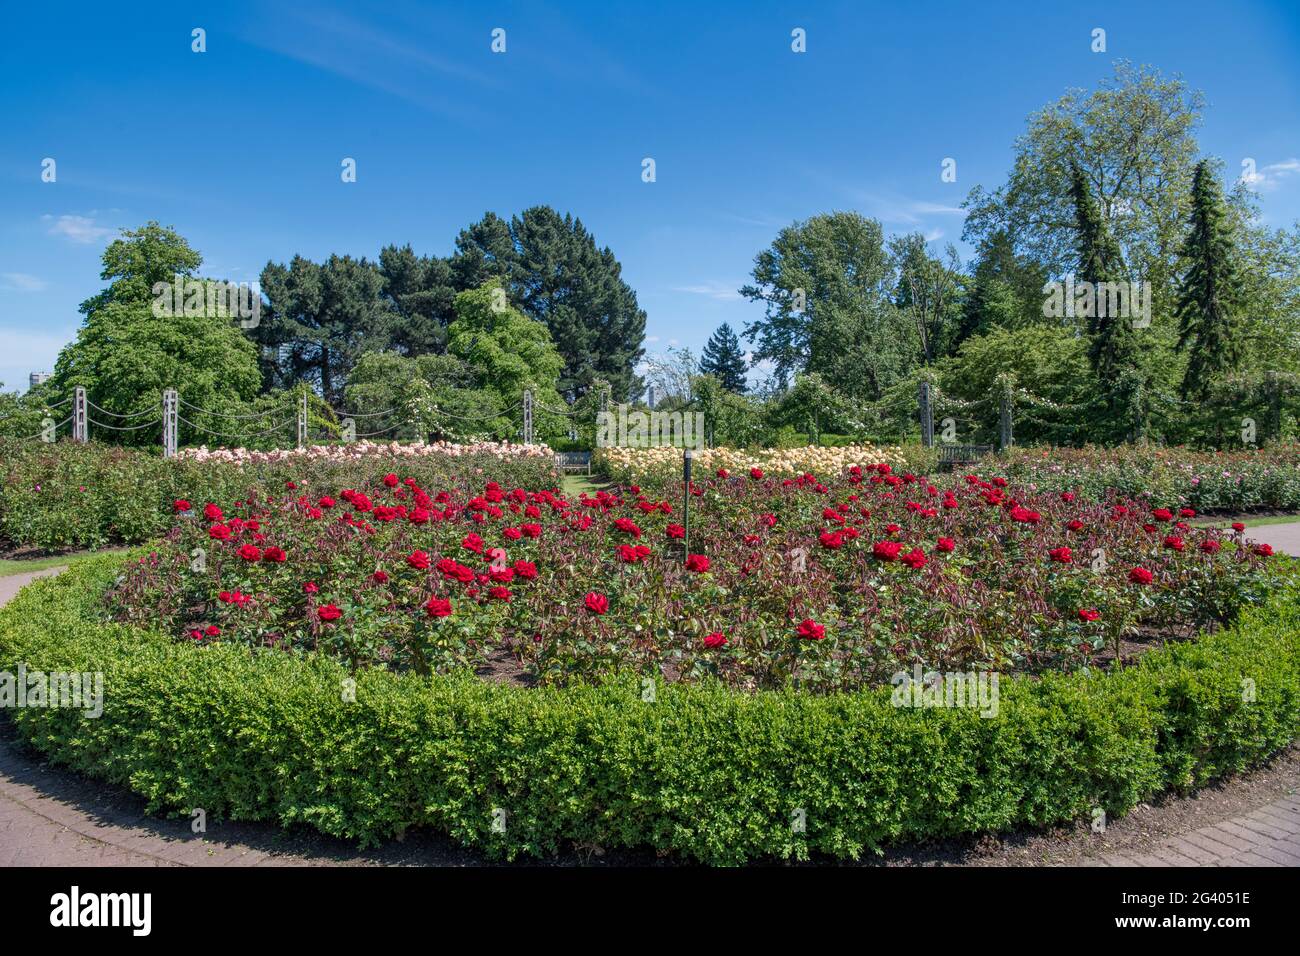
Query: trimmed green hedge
[711, 774]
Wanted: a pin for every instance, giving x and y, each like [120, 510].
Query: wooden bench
[950, 456]
[570, 462]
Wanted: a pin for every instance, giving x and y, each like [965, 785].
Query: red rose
[886, 550]
[810, 630]
[212, 513]
[250, 552]
[219, 532]
[756, 473]
[915, 559]
[330, 612]
[526, 570]
[1141, 576]
[418, 560]
[499, 593]
[596, 603]
[531, 530]
[1238, 526]
[675, 531]
[390, 480]
[1088, 614]
[722, 473]
[310, 587]
[697, 562]
[1211, 546]
[274, 554]
[1075, 525]
[1061, 555]
[437, 607]
[1162, 514]
[380, 577]
[627, 526]
[945, 544]
[831, 540]
[212, 630]
[1264, 550]
[1173, 542]
[180, 504]
[716, 639]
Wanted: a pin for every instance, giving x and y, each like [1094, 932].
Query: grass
[1247, 520]
[575, 485]
[8, 567]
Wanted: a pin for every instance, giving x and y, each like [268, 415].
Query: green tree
[1134, 141]
[139, 259]
[824, 286]
[723, 358]
[1112, 347]
[125, 354]
[1210, 291]
[507, 351]
[930, 292]
[555, 273]
[320, 319]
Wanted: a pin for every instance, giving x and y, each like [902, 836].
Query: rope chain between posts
[216, 434]
[124, 428]
[41, 433]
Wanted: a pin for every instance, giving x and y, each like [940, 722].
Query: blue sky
[240, 147]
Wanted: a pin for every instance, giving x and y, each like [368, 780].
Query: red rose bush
[826, 583]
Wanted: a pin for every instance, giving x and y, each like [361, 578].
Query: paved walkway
[52, 818]
[1283, 537]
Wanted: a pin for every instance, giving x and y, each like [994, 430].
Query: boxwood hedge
[707, 773]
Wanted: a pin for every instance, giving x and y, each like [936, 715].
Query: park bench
[950, 456]
[570, 462]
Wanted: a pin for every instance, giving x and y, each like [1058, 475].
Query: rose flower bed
[825, 586]
[89, 495]
[280, 659]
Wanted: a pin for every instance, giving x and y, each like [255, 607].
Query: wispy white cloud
[723, 291]
[22, 282]
[1270, 177]
[82, 229]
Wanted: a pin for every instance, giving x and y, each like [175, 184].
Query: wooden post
[1005, 436]
[926, 411]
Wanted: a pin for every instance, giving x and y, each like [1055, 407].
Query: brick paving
[46, 822]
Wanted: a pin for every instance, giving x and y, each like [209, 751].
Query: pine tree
[722, 357]
[1210, 291]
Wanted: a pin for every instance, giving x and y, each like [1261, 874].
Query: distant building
[36, 378]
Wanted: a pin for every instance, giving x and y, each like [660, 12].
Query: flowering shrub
[828, 584]
[366, 450]
[662, 466]
[89, 495]
[1233, 481]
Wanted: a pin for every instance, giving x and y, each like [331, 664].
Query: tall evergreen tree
[723, 358]
[1210, 290]
[1112, 346]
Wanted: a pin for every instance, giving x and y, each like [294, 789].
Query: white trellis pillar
[528, 416]
[302, 422]
[80, 426]
[171, 408]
